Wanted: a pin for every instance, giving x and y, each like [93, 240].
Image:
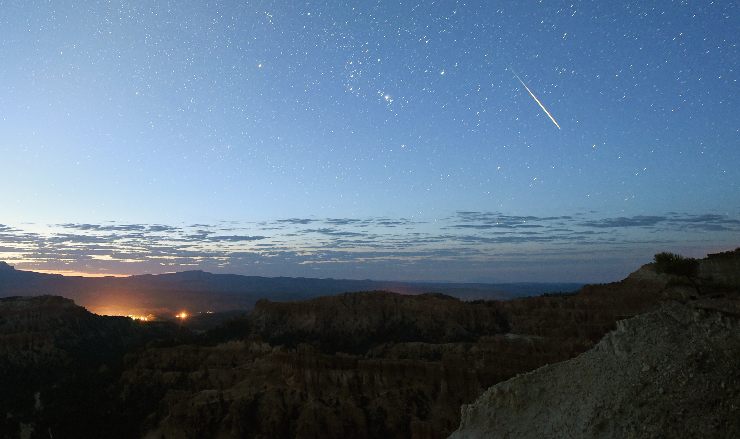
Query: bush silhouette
[671, 263]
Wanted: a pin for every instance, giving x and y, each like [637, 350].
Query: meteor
[535, 99]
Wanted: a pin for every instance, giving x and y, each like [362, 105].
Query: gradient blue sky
[367, 139]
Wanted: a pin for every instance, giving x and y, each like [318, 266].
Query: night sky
[386, 140]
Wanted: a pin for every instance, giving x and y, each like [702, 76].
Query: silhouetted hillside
[199, 291]
[58, 365]
[361, 365]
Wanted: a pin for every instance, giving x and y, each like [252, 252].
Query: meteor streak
[535, 99]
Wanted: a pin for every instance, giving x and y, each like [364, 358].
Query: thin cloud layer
[447, 248]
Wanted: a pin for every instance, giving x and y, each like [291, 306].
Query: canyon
[368, 364]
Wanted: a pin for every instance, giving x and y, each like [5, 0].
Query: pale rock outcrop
[672, 373]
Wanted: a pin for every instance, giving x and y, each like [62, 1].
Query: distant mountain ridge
[383, 365]
[200, 291]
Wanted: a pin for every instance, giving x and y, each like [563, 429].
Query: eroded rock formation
[370, 364]
[672, 373]
[378, 364]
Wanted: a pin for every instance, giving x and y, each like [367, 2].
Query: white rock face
[671, 373]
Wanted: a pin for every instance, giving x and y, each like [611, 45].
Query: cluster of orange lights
[182, 315]
[143, 318]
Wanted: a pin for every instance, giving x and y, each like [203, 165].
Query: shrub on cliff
[672, 263]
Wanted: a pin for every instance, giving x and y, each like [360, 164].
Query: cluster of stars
[233, 109]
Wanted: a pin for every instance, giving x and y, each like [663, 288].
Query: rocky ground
[673, 372]
[378, 364]
[59, 364]
[369, 364]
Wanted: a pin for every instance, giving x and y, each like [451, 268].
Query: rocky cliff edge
[674, 372]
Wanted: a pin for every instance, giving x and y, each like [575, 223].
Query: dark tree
[671, 263]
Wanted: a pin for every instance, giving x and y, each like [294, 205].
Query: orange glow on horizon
[182, 315]
[78, 273]
[143, 318]
[149, 317]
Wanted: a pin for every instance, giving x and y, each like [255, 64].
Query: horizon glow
[381, 140]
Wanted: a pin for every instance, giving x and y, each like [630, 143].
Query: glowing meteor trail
[536, 100]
